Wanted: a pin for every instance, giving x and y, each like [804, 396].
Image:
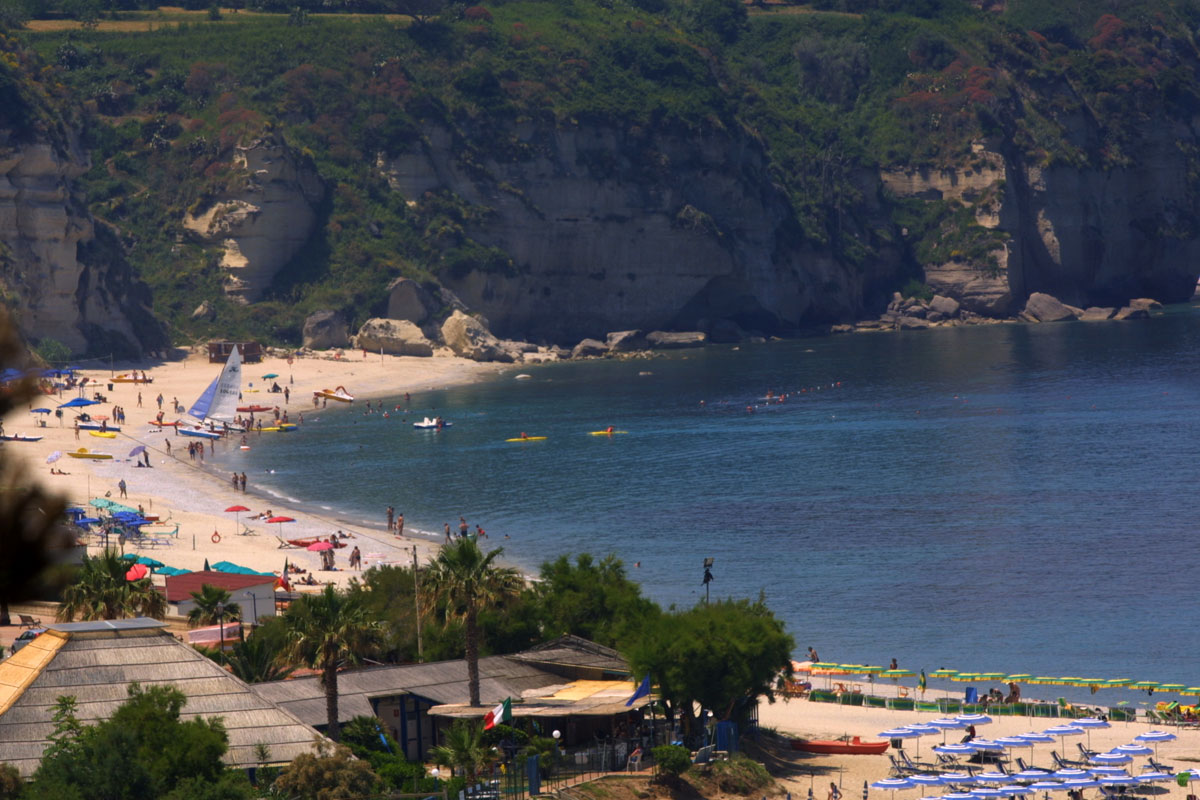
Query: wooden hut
[218, 352]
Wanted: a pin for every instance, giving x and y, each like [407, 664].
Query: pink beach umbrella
[318, 547]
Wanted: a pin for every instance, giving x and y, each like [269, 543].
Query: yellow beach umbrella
[1018, 677]
[992, 676]
[1171, 687]
[1114, 683]
[1191, 690]
[943, 673]
[897, 673]
[964, 677]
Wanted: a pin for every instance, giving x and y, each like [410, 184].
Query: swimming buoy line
[216, 538]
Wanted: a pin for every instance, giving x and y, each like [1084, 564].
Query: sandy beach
[805, 719]
[185, 492]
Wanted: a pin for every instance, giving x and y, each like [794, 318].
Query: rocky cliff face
[1089, 236]
[63, 277]
[612, 230]
[264, 219]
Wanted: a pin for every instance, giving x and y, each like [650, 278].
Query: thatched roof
[96, 662]
[440, 682]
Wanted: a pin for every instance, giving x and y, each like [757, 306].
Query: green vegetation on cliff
[832, 91]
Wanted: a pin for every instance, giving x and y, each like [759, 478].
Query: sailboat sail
[200, 408]
[219, 401]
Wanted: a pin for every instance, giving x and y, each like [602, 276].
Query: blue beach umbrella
[39, 411]
[959, 796]
[1154, 777]
[1110, 759]
[1154, 737]
[1031, 775]
[928, 780]
[901, 733]
[892, 784]
[1080, 783]
[1101, 772]
[1117, 780]
[1133, 749]
[79, 402]
[994, 778]
[974, 719]
[956, 749]
[1046, 786]
[1072, 774]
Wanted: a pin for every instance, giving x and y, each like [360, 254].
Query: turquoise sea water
[1001, 498]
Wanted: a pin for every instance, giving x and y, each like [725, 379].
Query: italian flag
[499, 714]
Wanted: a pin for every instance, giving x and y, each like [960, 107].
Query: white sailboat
[217, 405]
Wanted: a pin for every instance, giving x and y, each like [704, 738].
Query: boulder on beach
[669, 340]
[324, 330]
[398, 337]
[589, 348]
[1046, 308]
[625, 341]
[470, 338]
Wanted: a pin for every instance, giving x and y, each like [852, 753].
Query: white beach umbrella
[1154, 777]
[1080, 783]
[1118, 780]
[959, 796]
[1087, 723]
[926, 779]
[974, 719]
[1110, 759]
[892, 784]
[1032, 738]
[1046, 786]
[1154, 737]
[1103, 772]
[1072, 774]
[994, 778]
[964, 749]
[1133, 749]
[1031, 775]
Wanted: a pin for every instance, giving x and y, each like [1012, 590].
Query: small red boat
[164, 424]
[852, 746]
[253, 409]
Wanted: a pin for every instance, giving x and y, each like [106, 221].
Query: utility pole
[417, 606]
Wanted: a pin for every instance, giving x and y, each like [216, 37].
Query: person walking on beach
[242, 480]
[448, 537]
[235, 481]
[77, 427]
[355, 558]
[834, 792]
[121, 485]
[400, 525]
[167, 442]
[287, 395]
[391, 518]
[159, 400]
[139, 399]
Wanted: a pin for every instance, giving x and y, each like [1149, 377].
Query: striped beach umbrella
[1110, 759]
[1133, 749]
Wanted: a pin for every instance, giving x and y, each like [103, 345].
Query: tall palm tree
[328, 630]
[212, 607]
[465, 581]
[101, 591]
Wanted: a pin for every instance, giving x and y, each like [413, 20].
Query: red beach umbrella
[280, 520]
[237, 510]
[137, 572]
[317, 547]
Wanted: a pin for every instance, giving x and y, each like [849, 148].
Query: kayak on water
[527, 439]
[604, 433]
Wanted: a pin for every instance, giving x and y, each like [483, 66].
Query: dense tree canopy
[722, 656]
